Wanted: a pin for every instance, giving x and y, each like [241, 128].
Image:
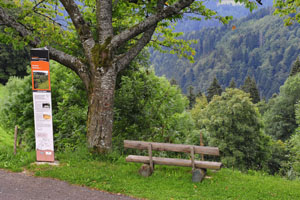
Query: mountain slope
[225, 8]
[260, 46]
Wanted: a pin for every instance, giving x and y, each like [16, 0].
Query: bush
[69, 101]
[280, 118]
[295, 156]
[234, 125]
[68, 108]
[146, 108]
[278, 163]
[17, 109]
[149, 108]
[294, 146]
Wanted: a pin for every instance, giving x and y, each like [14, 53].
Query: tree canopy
[98, 40]
[288, 8]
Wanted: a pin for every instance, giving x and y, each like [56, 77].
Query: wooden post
[201, 144]
[16, 136]
[147, 169]
[150, 157]
[193, 158]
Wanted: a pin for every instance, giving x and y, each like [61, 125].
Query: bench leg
[198, 175]
[145, 170]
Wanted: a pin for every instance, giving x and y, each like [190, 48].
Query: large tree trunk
[100, 110]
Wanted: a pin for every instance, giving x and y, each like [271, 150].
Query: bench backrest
[172, 147]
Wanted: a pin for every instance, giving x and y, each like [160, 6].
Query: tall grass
[16, 162]
[6, 139]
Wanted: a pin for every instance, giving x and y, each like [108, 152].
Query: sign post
[41, 90]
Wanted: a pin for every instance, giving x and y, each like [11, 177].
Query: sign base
[45, 155]
[55, 163]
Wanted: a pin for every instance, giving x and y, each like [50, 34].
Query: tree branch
[49, 18]
[9, 21]
[104, 20]
[123, 60]
[36, 5]
[81, 26]
[72, 63]
[132, 32]
[67, 60]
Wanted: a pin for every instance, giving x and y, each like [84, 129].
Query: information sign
[41, 88]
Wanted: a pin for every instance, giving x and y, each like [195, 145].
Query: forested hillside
[258, 45]
[226, 8]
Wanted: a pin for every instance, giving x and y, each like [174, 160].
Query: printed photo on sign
[40, 80]
[46, 105]
[46, 117]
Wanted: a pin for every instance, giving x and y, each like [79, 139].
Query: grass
[113, 174]
[15, 163]
[6, 140]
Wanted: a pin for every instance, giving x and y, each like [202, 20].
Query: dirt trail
[19, 186]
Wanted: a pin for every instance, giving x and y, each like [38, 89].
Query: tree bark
[100, 110]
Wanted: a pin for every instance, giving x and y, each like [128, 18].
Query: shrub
[68, 108]
[280, 118]
[148, 107]
[234, 125]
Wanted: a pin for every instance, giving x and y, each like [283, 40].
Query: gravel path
[19, 186]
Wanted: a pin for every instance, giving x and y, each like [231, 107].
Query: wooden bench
[199, 167]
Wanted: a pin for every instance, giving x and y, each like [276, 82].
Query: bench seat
[174, 162]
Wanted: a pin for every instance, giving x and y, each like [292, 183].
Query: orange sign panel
[40, 75]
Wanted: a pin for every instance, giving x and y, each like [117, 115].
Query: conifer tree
[254, 92]
[251, 88]
[173, 81]
[232, 84]
[199, 94]
[191, 96]
[214, 89]
[295, 68]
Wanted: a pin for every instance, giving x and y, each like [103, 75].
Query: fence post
[150, 157]
[201, 144]
[15, 136]
[193, 157]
